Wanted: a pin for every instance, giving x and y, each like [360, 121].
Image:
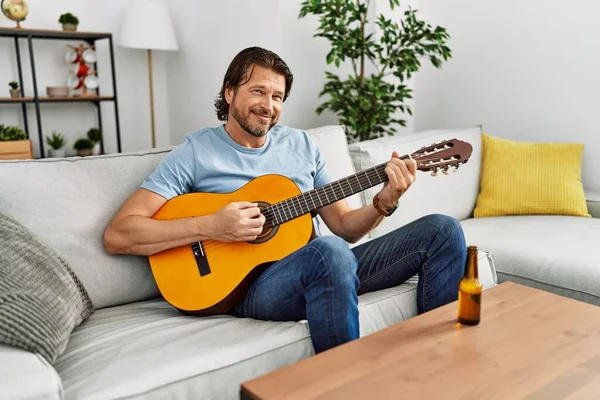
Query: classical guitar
[210, 277]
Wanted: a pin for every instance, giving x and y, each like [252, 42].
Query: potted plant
[84, 147]
[69, 22]
[15, 90]
[368, 99]
[95, 135]
[14, 143]
[56, 142]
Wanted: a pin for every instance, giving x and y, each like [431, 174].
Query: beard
[257, 129]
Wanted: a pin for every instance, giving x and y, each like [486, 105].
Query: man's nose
[267, 103]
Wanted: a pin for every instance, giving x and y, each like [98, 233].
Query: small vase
[56, 153]
[84, 152]
[69, 27]
[15, 93]
[96, 149]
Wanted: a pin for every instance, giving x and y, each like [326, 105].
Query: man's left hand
[401, 174]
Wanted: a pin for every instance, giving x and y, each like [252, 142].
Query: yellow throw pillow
[524, 178]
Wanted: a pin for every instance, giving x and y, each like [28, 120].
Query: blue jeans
[321, 281]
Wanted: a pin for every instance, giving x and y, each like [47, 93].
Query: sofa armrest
[24, 375]
[593, 203]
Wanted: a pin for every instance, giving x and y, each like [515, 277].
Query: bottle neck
[472, 271]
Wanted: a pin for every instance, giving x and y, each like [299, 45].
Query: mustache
[262, 112]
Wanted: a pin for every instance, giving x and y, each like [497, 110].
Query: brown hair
[240, 70]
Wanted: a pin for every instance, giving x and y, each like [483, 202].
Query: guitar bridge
[201, 260]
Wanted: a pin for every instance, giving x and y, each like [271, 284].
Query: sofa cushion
[150, 350]
[453, 194]
[525, 178]
[68, 203]
[553, 253]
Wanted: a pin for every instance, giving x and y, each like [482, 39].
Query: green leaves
[8, 133]
[367, 104]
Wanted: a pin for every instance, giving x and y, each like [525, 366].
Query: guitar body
[215, 282]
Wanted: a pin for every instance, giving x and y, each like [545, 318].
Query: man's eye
[278, 98]
[258, 91]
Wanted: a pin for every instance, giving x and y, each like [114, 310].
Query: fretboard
[312, 200]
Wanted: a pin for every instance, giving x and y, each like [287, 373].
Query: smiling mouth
[262, 117]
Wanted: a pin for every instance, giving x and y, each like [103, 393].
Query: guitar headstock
[442, 156]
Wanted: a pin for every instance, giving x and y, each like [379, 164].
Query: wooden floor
[530, 345]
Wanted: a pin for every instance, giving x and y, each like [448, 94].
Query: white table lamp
[147, 25]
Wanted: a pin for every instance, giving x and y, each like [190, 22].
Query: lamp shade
[147, 25]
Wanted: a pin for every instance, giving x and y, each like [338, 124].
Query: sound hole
[268, 231]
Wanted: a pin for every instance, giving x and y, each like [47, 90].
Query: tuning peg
[434, 172]
[445, 170]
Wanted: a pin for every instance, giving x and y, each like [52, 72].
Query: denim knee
[451, 230]
[337, 259]
[447, 225]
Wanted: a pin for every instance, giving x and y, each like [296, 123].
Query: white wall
[523, 69]
[75, 119]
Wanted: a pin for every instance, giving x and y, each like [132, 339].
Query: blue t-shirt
[211, 161]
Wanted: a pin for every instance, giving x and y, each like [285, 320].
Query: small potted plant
[56, 142]
[95, 135]
[15, 90]
[84, 147]
[69, 22]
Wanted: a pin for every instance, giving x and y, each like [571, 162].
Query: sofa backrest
[68, 203]
[454, 194]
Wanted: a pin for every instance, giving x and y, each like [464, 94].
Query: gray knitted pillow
[41, 299]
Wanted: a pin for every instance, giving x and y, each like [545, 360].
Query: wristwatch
[385, 213]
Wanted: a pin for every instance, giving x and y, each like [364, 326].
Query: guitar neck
[312, 200]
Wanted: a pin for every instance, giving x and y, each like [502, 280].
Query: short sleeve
[322, 176]
[175, 174]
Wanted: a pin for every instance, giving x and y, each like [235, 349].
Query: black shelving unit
[90, 38]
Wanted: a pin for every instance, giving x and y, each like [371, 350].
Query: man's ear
[228, 94]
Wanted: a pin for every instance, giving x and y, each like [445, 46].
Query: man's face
[256, 105]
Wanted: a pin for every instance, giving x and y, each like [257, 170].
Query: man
[319, 282]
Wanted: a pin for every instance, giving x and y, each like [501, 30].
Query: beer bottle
[469, 291]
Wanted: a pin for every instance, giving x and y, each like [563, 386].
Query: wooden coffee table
[530, 345]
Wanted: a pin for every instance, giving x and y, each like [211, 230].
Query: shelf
[50, 34]
[57, 99]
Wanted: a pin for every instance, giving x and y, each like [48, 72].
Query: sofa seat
[552, 253]
[25, 375]
[149, 350]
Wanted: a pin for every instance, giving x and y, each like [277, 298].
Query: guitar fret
[306, 202]
[370, 184]
[379, 176]
[299, 211]
[327, 197]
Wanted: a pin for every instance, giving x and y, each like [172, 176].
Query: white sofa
[136, 346]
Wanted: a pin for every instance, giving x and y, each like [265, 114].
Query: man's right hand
[237, 222]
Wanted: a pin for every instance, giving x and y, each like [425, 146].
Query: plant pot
[15, 93]
[69, 27]
[56, 153]
[16, 150]
[84, 152]
[96, 149]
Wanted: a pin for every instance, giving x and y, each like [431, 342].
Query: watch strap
[380, 210]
